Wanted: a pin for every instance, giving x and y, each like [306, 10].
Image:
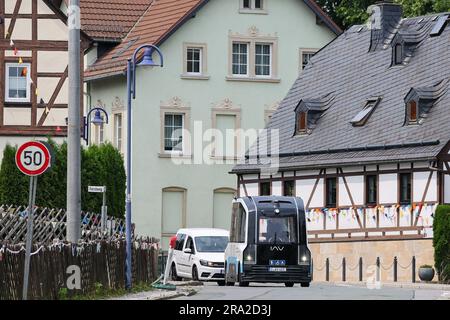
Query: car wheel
[173, 271]
[221, 283]
[289, 284]
[195, 273]
[305, 284]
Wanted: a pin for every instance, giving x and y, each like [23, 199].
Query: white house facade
[364, 139]
[227, 66]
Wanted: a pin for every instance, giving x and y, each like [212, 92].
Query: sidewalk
[184, 288]
[404, 285]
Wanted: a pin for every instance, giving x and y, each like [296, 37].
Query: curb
[418, 285]
[176, 295]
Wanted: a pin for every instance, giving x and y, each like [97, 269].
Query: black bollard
[343, 269]
[360, 269]
[395, 268]
[327, 270]
[413, 263]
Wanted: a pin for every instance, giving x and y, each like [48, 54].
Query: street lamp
[97, 121]
[147, 61]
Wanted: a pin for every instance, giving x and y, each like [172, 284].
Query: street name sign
[96, 189]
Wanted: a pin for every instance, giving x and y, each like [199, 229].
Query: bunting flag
[24, 72]
[20, 60]
[11, 43]
[16, 51]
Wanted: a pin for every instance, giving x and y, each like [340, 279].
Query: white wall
[388, 188]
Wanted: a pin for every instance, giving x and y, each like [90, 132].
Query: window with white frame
[240, 59]
[118, 131]
[253, 58]
[99, 129]
[252, 4]
[17, 81]
[263, 60]
[305, 57]
[194, 60]
[173, 132]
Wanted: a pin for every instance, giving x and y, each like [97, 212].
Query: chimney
[384, 21]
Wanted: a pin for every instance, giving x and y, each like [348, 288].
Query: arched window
[302, 123]
[412, 112]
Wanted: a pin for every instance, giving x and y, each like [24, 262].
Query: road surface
[317, 291]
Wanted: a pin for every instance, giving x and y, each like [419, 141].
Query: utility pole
[74, 132]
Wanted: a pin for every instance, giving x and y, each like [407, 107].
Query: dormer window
[309, 111]
[420, 100]
[412, 112]
[302, 122]
[398, 54]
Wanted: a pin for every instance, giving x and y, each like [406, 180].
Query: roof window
[361, 118]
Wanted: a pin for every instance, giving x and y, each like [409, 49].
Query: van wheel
[305, 284]
[289, 284]
[173, 271]
[195, 273]
[221, 283]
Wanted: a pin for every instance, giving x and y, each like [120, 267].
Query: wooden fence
[102, 264]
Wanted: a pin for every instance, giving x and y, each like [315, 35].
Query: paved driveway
[317, 291]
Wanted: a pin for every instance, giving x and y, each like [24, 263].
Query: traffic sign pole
[33, 159]
[29, 243]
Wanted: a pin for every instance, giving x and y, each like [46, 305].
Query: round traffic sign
[33, 158]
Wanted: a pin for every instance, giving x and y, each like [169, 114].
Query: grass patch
[100, 292]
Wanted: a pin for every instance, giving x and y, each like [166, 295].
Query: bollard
[360, 269]
[395, 268]
[378, 269]
[413, 263]
[327, 270]
[343, 269]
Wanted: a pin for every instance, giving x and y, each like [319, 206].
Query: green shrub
[100, 166]
[441, 241]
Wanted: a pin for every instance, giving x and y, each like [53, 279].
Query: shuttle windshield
[273, 230]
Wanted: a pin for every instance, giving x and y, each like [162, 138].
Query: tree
[349, 12]
[13, 184]
[101, 166]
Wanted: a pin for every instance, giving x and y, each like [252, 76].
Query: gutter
[331, 165]
[355, 149]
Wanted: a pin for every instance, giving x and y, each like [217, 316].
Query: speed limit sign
[33, 158]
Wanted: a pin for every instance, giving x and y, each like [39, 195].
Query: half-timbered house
[364, 139]
[33, 70]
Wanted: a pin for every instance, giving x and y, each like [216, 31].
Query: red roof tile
[161, 18]
[110, 19]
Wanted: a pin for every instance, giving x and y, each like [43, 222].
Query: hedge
[100, 165]
[441, 241]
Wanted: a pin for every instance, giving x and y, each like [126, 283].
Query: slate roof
[349, 71]
[156, 24]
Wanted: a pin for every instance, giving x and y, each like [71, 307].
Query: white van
[199, 254]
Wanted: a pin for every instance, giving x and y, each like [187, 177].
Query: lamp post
[147, 61]
[97, 121]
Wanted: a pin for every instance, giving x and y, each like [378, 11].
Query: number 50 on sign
[33, 158]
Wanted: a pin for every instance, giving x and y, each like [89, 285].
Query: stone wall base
[386, 250]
